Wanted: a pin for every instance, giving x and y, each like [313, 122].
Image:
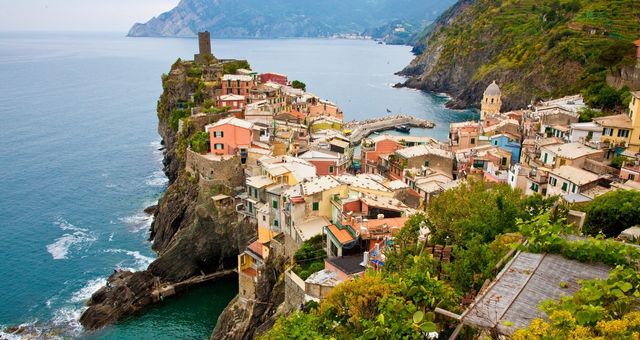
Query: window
[264, 218]
[553, 181]
[545, 158]
[623, 133]
[316, 206]
[565, 186]
[504, 160]
[275, 204]
[426, 163]
[276, 224]
[218, 134]
[218, 146]
[575, 187]
[331, 169]
[534, 187]
[495, 142]
[473, 140]
[607, 132]
[632, 177]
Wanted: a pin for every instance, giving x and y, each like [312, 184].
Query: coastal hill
[286, 18]
[534, 49]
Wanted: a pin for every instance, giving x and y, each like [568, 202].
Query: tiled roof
[342, 235]
[256, 248]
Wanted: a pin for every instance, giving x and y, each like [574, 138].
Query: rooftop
[231, 97]
[324, 277]
[513, 298]
[348, 264]
[342, 235]
[231, 121]
[575, 175]
[363, 181]
[387, 203]
[571, 104]
[619, 121]
[423, 150]
[311, 227]
[571, 150]
[235, 77]
[318, 185]
[320, 154]
[259, 181]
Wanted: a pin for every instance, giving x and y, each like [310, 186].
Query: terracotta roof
[250, 272]
[342, 235]
[392, 222]
[256, 248]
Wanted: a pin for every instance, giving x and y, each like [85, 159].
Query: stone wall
[293, 291]
[214, 169]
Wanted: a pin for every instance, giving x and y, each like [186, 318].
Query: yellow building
[491, 101]
[616, 131]
[634, 115]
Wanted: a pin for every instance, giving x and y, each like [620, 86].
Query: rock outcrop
[533, 49]
[248, 319]
[190, 235]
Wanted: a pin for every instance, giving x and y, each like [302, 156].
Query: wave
[28, 330]
[77, 237]
[138, 222]
[89, 288]
[68, 318]
[157, 179]
[141, 262]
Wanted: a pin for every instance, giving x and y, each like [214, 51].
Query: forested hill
[533, 48]
[286, 18]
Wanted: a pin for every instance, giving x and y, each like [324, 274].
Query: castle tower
[204, 43]
[491, 101]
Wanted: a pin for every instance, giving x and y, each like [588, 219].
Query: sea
[80, 158]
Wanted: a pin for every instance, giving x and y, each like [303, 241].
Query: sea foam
[75, 237]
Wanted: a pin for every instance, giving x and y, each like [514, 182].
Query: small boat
[403, 128]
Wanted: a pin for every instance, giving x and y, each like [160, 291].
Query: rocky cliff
[533, 49]
[249, 319]
[285, 18]
[190, 235]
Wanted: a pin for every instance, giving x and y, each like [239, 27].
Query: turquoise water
[79, 159]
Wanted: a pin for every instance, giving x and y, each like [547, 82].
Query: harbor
[362, 129]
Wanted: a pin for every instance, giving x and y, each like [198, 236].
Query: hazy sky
[78, 15]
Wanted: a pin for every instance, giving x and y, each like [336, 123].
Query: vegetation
[176, 115]
[296, 84]
[542, 48]
[310, 257]
[200, 142]
[618, 160]
[613, 212]
[232, 66]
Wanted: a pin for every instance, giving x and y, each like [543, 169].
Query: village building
[588, 133]
[274, 78]
[634, 116]
[326, 162]
[232, 101]
[464, 135]
[237, 84]
[427, 156]
[230, 136]
[630, 171]
[570, 180]
[573, 154]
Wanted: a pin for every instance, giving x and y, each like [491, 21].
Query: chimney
[365, 259]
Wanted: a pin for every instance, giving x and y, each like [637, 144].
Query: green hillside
[534, 48]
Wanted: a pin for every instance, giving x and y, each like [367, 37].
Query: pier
[362, 129]
[162, 291]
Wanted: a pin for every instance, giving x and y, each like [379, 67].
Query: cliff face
[284, 18]
[533, 49]
[191, 236]
[248, 319]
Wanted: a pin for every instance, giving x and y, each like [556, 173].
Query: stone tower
[204, 43]
[491, 101]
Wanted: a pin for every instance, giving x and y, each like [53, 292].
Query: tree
[200, 142]
[613, 212]
[296, 84]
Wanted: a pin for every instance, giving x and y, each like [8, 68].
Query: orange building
[237, 84]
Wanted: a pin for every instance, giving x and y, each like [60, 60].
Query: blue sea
[80, 159]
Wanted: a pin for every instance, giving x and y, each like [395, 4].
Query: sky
[78, 15]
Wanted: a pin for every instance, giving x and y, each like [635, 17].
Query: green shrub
[233, 66]
[613, 212]
[176, 115]
[296, 84]
[200, 142]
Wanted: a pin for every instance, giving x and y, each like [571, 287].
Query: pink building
[237, 84]
[630, 172]
[230, 136]
[233, 101]
[464, 135]
[273, 77]
[326, 162]
[375, 147]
